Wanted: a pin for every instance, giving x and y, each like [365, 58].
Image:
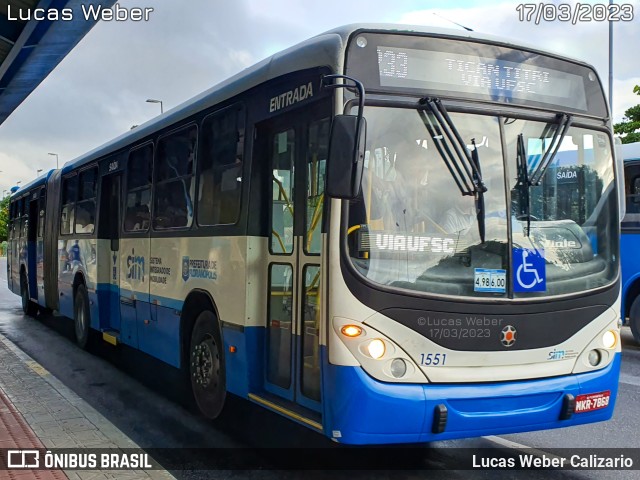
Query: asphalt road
[150, 402]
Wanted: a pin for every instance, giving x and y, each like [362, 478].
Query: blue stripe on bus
[629, 266]
[377, 412]
[374, 411]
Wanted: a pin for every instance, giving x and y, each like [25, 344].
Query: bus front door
[109, 232]
[297, 148]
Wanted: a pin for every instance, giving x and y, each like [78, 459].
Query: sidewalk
[38, 411]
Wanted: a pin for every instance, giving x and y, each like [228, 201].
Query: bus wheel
[634, 319]
[206, 365]
[28, 307]
[81, 316]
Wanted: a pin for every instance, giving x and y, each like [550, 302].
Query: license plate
[592, 401]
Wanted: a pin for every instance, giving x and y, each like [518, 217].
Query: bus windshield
[413, 228]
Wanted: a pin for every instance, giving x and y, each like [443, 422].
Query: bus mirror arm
[346, 145]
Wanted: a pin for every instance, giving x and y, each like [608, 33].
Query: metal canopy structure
[30, 49]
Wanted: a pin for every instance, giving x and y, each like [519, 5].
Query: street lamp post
[56, 155]
[153, 100]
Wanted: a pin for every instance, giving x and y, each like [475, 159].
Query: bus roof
[631, 151]
[326, 49]
[37, 182]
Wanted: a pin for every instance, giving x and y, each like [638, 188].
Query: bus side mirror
[346, 156]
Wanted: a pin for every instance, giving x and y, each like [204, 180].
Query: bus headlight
[609, 339]
[376, 348]
[398, 367]
[594, 357]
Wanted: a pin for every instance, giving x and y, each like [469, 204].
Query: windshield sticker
[530, 270]
[490, 280]
[410, 243]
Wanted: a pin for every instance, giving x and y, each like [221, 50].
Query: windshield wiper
[463, 166]
[457, 159]
[564, 122]
[523, 184]
[480, 193]
[525, 180]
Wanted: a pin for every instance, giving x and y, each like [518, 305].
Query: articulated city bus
[630, 239]
[367, 233]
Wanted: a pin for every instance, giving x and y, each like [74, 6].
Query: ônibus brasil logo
[508, 336]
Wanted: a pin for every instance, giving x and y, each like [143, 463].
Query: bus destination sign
[494, 79]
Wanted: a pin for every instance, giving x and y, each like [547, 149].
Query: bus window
[632, 192]
[41, 207]
[316, 163]
[25, 217]
[67, 217]
[16, 220]
[174, 183]
[137, 211]
[282, 161]
[220, 169]
[12, 213]
[86, 207]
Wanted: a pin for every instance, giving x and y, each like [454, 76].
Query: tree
[4, 218]
[630, 124]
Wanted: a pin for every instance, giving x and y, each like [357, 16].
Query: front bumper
[362, 410]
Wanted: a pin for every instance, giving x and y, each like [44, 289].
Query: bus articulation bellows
[370, 233]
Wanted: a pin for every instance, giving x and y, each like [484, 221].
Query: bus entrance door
[297, 149]
[32, 245]
[109, 227]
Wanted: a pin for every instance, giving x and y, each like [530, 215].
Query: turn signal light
[351, 331]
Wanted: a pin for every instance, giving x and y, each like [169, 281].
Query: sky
[99, 90]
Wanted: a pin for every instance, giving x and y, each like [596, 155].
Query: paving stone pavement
[59, 417]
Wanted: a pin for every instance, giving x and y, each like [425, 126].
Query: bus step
[288, 409]
[110, 337]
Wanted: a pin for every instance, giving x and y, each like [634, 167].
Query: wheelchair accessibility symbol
[530, 270]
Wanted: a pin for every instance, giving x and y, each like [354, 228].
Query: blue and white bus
[630, 239]
[368, 233]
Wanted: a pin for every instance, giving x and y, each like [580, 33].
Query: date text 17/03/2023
[578, 13]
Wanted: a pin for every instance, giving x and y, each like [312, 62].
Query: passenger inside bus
[137, 218]
[395, 187]
[461, 217]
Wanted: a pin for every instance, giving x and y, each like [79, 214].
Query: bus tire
[28, 307]
[206, 365]
[81, 316]
[634, 319]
